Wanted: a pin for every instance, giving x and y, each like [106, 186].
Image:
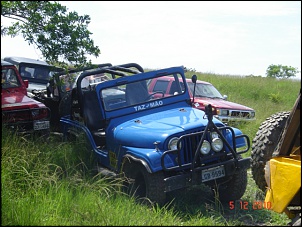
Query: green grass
[55, 183]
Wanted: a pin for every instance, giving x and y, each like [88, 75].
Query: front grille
[16, 116]
[23, 120]
[190, 144]
[235, 113]
[184, 157]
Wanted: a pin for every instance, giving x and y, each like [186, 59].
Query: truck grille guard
[188, 155]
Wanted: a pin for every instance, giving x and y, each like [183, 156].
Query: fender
[143, 162]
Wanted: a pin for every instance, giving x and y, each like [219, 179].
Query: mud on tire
[264, 144]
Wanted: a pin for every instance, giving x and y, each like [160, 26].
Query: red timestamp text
[246, 205]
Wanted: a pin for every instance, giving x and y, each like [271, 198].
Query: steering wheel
[156, 92]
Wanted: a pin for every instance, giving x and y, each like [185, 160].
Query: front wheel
[234, 188]
[144, 185]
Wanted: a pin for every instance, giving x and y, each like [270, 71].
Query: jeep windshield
[128, 93]
[136, 94]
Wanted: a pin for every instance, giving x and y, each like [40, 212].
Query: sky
[221, 37]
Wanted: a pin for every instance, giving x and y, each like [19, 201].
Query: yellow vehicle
[276, 162]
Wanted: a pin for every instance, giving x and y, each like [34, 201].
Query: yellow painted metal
[285, 181]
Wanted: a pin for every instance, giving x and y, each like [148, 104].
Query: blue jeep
[159, 143]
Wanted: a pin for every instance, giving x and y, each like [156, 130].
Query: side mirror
[26, 83]
[225, 97]
[194, 79]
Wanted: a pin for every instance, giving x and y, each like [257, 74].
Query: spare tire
[264, 144]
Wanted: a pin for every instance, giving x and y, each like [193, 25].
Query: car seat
[136, 92]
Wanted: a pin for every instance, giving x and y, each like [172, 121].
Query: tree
[281, 71]
[61, 36]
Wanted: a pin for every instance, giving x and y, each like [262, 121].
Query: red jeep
[20, 112]
[205, 93]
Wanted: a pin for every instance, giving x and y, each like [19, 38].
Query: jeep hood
[12, 100]
[157, 127]
[220, 103]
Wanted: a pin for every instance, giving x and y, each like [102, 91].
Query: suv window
[42, 73]
[9, 78]
[205, 90]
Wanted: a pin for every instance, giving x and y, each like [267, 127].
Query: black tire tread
[235, 188]
[264, 144]
[144, 185]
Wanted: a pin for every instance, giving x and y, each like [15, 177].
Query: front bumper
[31, 127]
[226, 119]
[187, 179]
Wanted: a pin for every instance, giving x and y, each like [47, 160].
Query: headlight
[205, 147]
[172, 145]
[217, 144]
[222, 112]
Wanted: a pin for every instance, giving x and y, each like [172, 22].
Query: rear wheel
[264, 144]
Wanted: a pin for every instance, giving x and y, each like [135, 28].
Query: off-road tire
[146, 187]
[264, 144]
[65, 105]
[234, 188]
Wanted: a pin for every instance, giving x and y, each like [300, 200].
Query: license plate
[40, 125]
[212, 173]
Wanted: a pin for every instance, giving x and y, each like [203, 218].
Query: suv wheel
[264, 144]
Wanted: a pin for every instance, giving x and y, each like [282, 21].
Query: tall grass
[56, 183]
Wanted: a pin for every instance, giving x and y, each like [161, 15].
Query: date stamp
[246, 205]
